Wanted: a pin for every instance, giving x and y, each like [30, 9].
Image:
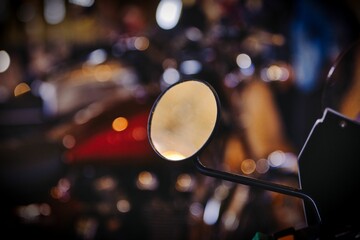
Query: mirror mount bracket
[256, 183]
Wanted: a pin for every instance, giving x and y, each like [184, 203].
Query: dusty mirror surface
[183, 119]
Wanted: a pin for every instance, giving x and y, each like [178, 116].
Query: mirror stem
[257, 183]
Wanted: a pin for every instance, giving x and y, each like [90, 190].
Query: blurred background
[77, 82]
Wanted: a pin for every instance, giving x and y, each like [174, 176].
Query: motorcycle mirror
[182, 122]
[183, 119]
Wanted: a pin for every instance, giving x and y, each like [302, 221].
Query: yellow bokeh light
[248, 166]
[141, 43]
[146, 181]
[103, 73]
[123, 206]
[184, 182]
[120, 124]
[21, 88]
[145, 177]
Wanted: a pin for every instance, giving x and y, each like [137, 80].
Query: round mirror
[342, 89]
[183, 119]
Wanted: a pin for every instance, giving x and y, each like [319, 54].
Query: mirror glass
[183, 119]
[342, 89]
